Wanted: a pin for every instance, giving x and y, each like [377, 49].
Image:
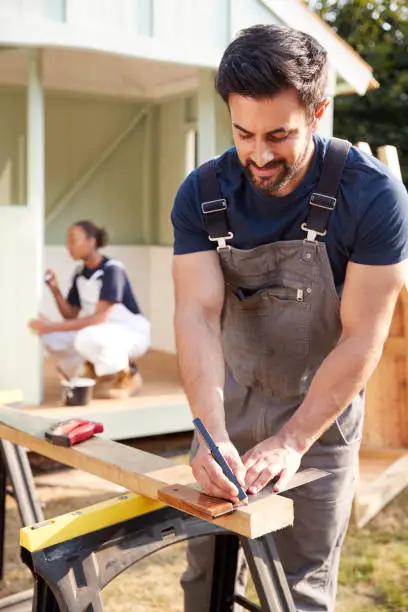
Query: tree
[378, 31]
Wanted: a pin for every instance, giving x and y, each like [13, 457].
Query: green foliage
[378, 31]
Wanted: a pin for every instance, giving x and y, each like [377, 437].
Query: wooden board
[386, 423]
[193, 501]
[138, 471]
[383, 476]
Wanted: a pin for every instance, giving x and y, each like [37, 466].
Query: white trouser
[107, 346]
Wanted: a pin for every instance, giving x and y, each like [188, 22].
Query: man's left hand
[270, 460]
[40, 326]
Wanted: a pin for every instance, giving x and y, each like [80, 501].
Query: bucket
[77, 392]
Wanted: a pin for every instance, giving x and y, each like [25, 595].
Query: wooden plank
[364, 146]
[403, 298]
[18, 602]
[388, 454]
[388, 154]
[192, 500]
[383, 465]
[386, 398]
[395, 347]
[138, 471]
[374, 496]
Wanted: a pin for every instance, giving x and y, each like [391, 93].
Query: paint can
[77, 391]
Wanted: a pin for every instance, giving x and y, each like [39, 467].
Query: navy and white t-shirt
[368, 226]
[108, 282]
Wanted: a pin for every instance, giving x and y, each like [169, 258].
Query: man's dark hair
[266, 59]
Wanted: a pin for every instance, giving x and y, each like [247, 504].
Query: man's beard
[272, 186]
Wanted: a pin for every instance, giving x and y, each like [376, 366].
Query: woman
[103, 330]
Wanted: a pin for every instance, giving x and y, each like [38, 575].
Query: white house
[101, 102]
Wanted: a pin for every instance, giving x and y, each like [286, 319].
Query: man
[271, 360]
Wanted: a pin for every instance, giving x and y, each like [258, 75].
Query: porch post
[36, 188]
[207, 117]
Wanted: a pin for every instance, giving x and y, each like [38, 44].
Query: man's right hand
[210, 476]
[51, 279]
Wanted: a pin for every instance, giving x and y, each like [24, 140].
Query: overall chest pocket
[276, 319]
[266, 336]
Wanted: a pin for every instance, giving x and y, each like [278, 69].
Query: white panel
[125, 14]
[10, 5]
[20, 257]
[55, 9]
[145, 17]
[201, 23]
[326, 123]
[162, 299]
[245, 13]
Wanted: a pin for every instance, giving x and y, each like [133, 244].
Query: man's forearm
[66, 310]
[202, 370]
[342, 375]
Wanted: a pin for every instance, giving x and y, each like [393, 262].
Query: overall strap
[323, 200]
[213, 205]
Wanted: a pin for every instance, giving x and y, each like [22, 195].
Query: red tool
[73, 431]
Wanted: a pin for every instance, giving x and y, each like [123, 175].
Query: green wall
[170, 166]
[12, 147]
[78, 131]
[132, 191]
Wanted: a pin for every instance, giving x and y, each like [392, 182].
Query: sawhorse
[15, 467]
[72, 562]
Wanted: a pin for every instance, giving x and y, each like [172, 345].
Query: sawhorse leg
[22, 481]
[3, 481]
[266, 570]
[14, 465]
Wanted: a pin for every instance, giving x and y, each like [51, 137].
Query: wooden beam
[368, 453]
[396, 346]
[388, 154]
[378, 493]
[138, 471]
[364, 146]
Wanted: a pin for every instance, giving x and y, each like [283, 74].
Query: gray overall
[279, 322]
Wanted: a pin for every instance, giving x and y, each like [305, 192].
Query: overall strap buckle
[323, 200]
[216, 221]
[214, 206]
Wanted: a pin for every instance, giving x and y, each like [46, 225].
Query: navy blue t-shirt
[368, 226]
[108, 282]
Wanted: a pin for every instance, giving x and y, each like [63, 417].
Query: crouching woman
[103, 331]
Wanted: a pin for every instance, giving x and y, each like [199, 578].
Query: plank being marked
[138, 471]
